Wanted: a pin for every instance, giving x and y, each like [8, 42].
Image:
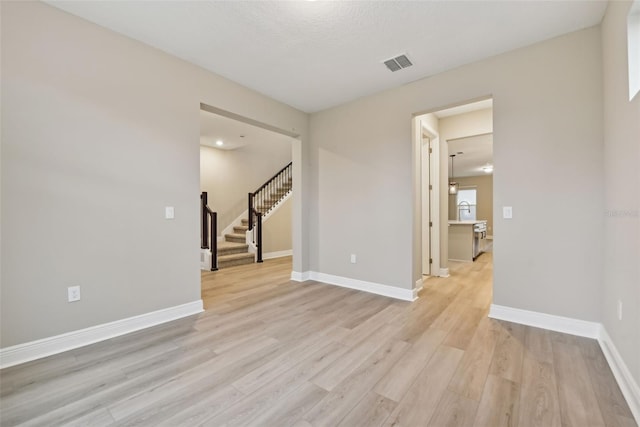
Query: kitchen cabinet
[465, 244]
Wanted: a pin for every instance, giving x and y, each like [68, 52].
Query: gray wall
[99, 134]
[622, 193]
[276, 231]
[547, 117]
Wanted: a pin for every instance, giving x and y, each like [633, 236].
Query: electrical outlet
[353, 258]
[619, 310]
[73, 293]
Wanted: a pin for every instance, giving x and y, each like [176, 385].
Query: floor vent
[398, 63]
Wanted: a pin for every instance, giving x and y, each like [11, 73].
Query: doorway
[438, 134]
[239, 156]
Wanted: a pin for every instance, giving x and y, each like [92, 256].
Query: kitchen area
[470, 197]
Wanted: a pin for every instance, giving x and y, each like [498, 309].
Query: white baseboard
[595, 330]
[444, 272]
[277, 254]
[361, 285]
[33, 350]
[417, 288]
[229, 228]
[551, 322]
[626, 382]
[300, 276]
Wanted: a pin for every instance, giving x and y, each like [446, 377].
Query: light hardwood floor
[270, 352]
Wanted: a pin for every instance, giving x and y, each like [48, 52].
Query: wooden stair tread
[225, 244]
[235, 236]
[235, 256]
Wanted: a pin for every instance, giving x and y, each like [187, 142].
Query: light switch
[169, 212]
[507, 212]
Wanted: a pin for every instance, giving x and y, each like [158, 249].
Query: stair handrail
[256, 204]
[209, 220]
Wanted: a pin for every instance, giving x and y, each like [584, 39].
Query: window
[466, 204]
[633, 47]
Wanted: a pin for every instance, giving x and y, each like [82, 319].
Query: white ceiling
[234, 134]
[314, 55]
[464, 108]
[477, 152]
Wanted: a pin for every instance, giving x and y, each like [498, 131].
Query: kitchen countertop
[477, 221]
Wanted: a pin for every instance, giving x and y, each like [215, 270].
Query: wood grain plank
[509, 351]
[286, 412]
[421, 400]
[371, 411]
[578, 402]
[337, 404]
[539, 402]
[278, 389]
[395, 383]
[454, 410]
[499, 403]
[469, 379]
[331, 376]
[537, 345]
[614, 408]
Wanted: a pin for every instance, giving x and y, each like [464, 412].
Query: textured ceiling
[314, 55]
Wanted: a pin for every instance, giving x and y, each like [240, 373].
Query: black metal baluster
[259, 244]
[204, 221]
[214, 241]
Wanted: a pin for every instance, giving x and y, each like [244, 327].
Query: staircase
[235, 250]
[272, 198]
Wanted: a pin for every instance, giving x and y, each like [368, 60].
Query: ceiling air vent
[398, 63]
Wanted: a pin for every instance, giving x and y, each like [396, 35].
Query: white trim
[431, 168]
[444, 272]
[33, 350]
[235, 223]
[277, 254]
[300, 276]
[416, 291]
[277, 206]
[418, 284]
[626, 382]
[361, 285]
[581, 328]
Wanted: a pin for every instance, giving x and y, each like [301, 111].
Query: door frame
[428, 172]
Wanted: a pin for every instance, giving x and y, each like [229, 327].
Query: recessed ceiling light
[487, 168]
[219, 143]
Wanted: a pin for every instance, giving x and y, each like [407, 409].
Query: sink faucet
[463, 206]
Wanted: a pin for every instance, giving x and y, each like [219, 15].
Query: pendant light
[453, 186]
